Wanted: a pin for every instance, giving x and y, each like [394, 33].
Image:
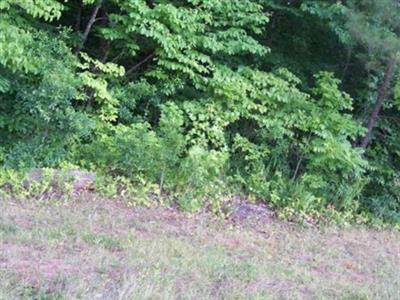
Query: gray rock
[80, 180]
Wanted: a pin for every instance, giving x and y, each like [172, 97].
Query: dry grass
[99, 249]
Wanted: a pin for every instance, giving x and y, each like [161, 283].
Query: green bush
[138, 152]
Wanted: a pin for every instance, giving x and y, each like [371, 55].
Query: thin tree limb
[296, 171]
[143, 61]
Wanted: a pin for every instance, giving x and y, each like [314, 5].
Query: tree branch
[135, 67]
[296, 171]
[89, 25]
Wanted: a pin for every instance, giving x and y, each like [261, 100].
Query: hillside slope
[102, 249]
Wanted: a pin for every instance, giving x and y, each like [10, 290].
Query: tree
[374, 25]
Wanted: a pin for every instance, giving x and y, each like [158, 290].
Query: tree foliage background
[295, 103]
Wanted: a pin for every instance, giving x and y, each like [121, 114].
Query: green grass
[101, 249]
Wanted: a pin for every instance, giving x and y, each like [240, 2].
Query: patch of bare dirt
[241, 210]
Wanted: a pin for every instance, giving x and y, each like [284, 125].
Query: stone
[80, 180]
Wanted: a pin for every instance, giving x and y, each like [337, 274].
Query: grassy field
[102, 249]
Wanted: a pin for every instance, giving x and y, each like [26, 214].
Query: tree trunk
[89, 26]
[347, 64]
[382, 94]
[78, 17]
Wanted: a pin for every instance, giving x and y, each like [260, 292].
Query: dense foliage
[295, 103]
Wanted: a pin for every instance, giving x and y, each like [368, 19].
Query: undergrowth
[21, 186]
